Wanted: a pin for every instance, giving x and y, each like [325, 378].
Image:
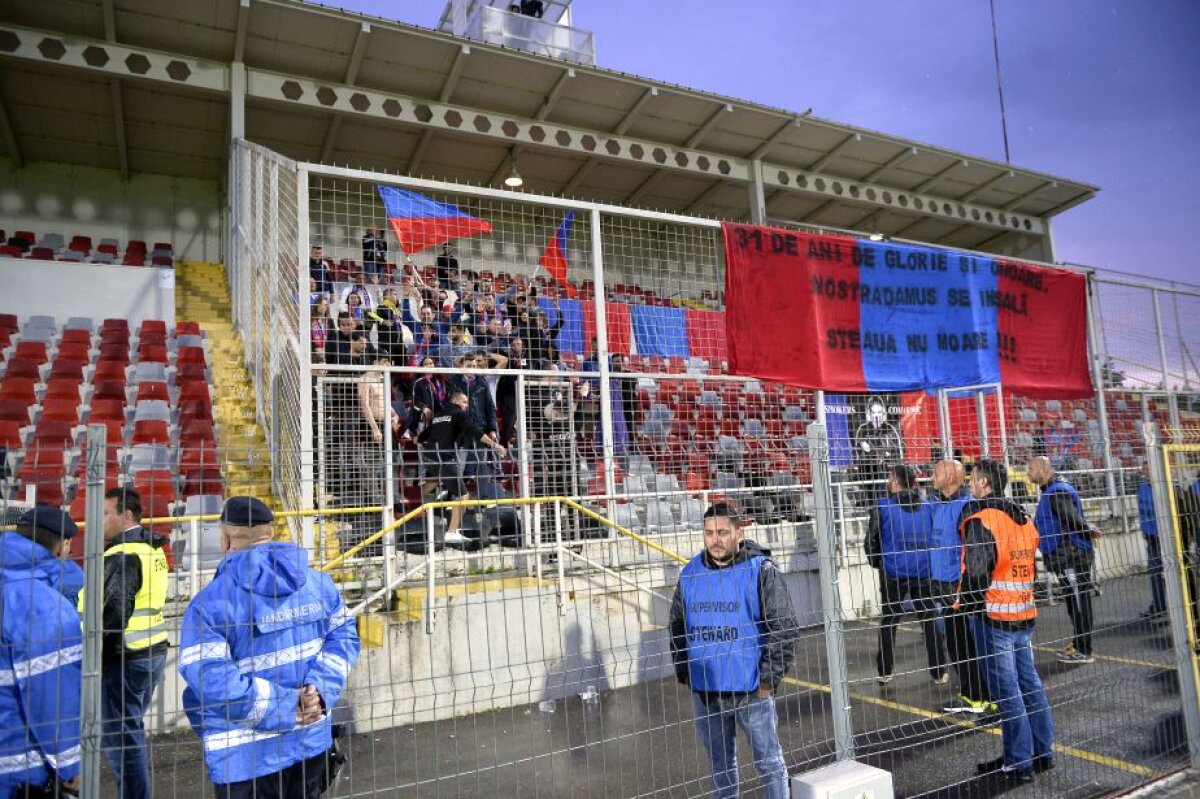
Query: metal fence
[530, 654]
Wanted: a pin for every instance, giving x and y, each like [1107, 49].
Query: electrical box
[846, 779]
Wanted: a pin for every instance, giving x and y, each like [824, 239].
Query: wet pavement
[1118, 724]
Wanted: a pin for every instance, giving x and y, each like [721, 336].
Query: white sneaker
[455, 537]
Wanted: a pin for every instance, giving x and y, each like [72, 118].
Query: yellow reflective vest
[146, 626]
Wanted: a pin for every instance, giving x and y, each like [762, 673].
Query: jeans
[927, 598]
[127, 685]
[1025, 722]
[716, 717]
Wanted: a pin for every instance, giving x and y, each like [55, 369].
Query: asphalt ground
[1118, 725]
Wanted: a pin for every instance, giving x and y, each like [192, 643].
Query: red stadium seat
[10, 434]
[41, 254]
[72, 370]
[109, 389]
[73, 352]
[114, 435]
[14, 410]
[150, 431]
[153, 353]
[163, 245]
[190, 355]
[81, 243]
[49, 484]
[42, 455]
[20, 389]
[152, 390]
[23, 368]
[133, 259]
[11, 251]
[76, 336]
[198, 456]
[114, 351]
[194, 390]
[195, 409]
[152, 326]
[28, 235]
[187, 372]
[195, 431]
[49, 431]
[60, 410]
[187, 328]
[103, 409]
[109, 370]
[135, 245]
[115, 324]
[203, 481]
[8, 321]
[35, 351]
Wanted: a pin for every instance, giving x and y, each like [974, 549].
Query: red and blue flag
[421, 222]
[554, 258]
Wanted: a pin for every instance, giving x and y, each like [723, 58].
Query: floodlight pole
[90, 711]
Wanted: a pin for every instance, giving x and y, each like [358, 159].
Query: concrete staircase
[202, 295]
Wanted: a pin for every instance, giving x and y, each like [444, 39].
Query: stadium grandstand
[255, 247]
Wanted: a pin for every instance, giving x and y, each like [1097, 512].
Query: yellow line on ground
[1116, 659]
[1081, 754]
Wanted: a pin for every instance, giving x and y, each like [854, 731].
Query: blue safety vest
[723, 619]
[1146, 515]
[945, 555]
[906, 538]
[1048, 527]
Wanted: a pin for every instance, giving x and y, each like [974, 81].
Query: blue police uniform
[40, 668]
[265, 626]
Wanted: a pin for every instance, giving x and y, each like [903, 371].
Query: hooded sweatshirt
[264, 627]
[41, 670]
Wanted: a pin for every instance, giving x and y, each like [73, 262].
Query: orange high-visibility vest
[1010, 595]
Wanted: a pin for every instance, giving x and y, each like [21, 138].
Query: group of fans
[265, 651]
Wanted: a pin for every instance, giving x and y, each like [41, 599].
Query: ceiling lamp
[514, 179]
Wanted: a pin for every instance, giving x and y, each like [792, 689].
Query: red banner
[844, 314]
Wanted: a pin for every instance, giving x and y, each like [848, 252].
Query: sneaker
[455, 537]
[942, 678]
[1017, 776]
[961, 704]
[441, 495]
[884, 679]
[1075, 658]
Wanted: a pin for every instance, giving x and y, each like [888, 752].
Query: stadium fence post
[1101, 405]
[831, 598]
[1178, 607]
[93, 614]
[308, 480]
[389, 483]
[606, 420]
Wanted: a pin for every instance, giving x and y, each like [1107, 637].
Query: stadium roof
[146, 86]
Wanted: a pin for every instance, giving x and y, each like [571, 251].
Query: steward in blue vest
[733, 637]
[41, 658]
[732, 624]
[945, 555]
[1148, 521]
[900, 543]
[1065, 540]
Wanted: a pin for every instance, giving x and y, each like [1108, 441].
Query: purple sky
[1103, 92]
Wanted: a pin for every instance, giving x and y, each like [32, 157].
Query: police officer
[265, 651]
[135, 637]
[899, 545]
[733, 637]
[42, 654]
[946, 505]
[1000, 565]
[1066, 544]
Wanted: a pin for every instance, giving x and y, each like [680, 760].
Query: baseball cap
[246, 512]
[51, 520]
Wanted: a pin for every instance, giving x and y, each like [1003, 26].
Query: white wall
[58, 198]
[63, 290]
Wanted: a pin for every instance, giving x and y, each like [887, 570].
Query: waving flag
[421, 222]
[554, 259]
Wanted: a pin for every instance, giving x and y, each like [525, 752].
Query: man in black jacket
[731, 654]
[135, 637]
[480, 407]
[441, 438]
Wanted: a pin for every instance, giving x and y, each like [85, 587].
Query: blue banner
[571, 337]
[659, 330]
